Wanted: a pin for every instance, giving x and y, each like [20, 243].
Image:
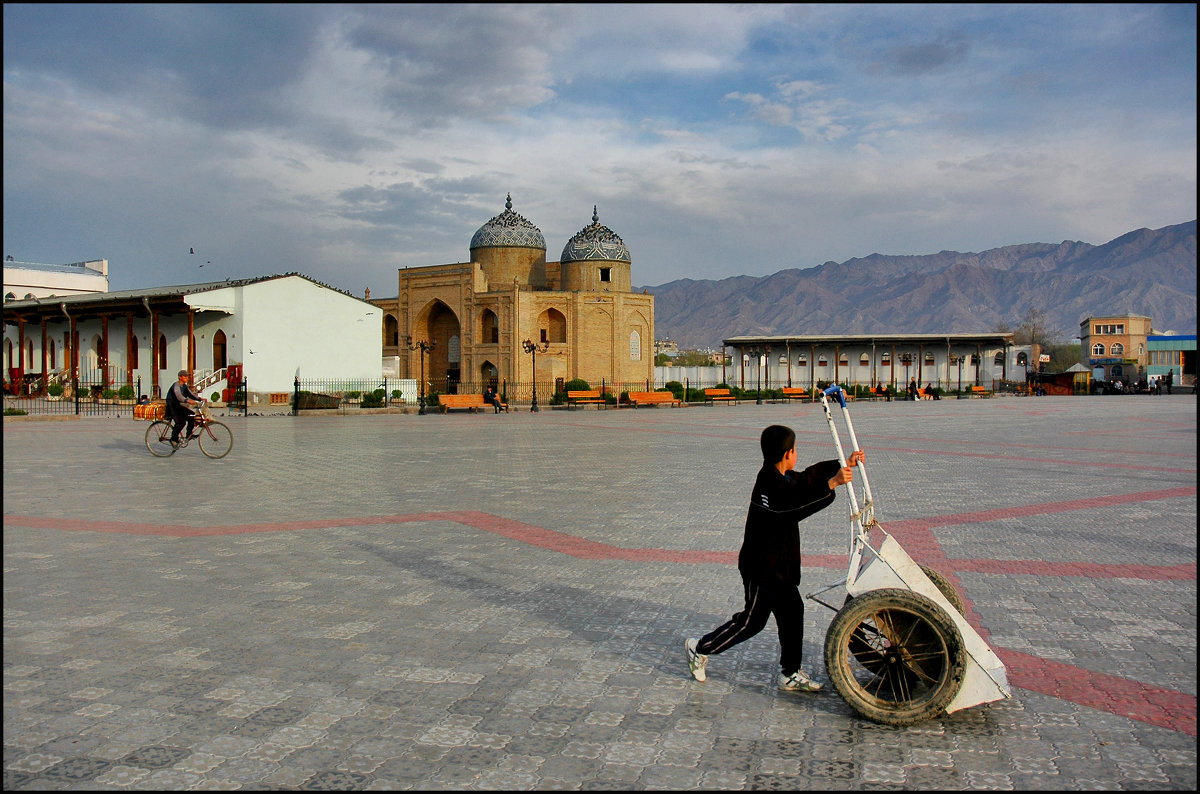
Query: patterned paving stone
[451, 602]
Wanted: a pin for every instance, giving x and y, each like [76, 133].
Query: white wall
[294, 324]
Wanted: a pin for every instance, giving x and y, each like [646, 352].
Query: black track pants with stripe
[762, 600]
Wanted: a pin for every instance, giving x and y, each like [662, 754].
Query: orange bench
[713, 395]
[585, 397]
[979, 391]
[466, 402]
[637, 398]
[795, 393]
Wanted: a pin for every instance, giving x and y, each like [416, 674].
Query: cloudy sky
[344, 142]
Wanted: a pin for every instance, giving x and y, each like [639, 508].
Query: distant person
[1170, 380]
[769, 561]
[931, 393]
[491, 398]
[912, 390]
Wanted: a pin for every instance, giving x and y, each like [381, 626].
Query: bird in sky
[191, 250]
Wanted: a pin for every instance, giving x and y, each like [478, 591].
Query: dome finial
[595, 217]
[508, 202]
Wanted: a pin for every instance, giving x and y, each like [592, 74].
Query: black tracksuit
[770, 559]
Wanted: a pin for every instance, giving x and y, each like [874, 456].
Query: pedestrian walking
[769, 560]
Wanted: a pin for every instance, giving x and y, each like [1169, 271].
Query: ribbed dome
[595, 242]
[508, 230]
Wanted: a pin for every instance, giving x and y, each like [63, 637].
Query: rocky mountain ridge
[1149, 272]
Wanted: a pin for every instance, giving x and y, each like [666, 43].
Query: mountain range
[1150, 272]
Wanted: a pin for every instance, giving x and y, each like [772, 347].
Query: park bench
[979, 391]
[638, 398]
[714, 395]
[466, 402]
[795, 393]
[582, 397]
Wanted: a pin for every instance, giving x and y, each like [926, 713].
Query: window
[1022, 359]
[1098, 349]
[635, 346]
[843, 360]
[929, 359]
[606, 274]
[999, 359]
[864, 360]
[802, 361]
[822, 361]
[545, 335]
[1118, 328]
[885, 360]
[1117, 349]
[162, 351]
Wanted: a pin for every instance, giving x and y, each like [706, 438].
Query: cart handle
[836, 391]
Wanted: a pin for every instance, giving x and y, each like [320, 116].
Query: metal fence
[384, 392]
[81, 396]
[88, 396]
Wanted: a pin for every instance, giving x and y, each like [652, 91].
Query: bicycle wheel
[158, 439]
[216, 440]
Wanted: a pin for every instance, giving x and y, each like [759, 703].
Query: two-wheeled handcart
[899, 650]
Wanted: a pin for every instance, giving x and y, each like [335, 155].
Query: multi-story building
[1114, 347]
[25, 280]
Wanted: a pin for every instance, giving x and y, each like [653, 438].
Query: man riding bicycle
[179, 397]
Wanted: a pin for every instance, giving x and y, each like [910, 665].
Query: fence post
[296, 398]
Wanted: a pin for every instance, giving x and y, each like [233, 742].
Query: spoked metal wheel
[216, 440]
[158, 439]
[895, 656]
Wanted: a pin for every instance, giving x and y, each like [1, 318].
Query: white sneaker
[798, 682]
[696, 661]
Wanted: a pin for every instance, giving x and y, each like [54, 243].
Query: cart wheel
[945, 588]
[895, 656]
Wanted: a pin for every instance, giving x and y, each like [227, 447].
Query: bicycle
[216, 439]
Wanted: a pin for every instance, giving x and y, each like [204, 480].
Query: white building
[274, 329]
[868, 359]
[35, 280]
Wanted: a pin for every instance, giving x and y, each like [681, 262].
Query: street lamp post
[424, 347]
[534, 348]
[960, 363]
[907, 359]
[758, 365]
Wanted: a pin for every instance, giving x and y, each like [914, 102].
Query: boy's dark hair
[776, 441]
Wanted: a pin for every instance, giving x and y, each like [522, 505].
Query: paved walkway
[500, 602]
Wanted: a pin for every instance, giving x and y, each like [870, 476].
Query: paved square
[500, 601]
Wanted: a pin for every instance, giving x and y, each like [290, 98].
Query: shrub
[675, 387]
[55, 390]
[374, 399]
[397, 394]
[214, 397]
[13, 412]
[576, 384]
[109, 394]
[352, 395]
[125, 392]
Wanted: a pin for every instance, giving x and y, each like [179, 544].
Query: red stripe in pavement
[1165, 708]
